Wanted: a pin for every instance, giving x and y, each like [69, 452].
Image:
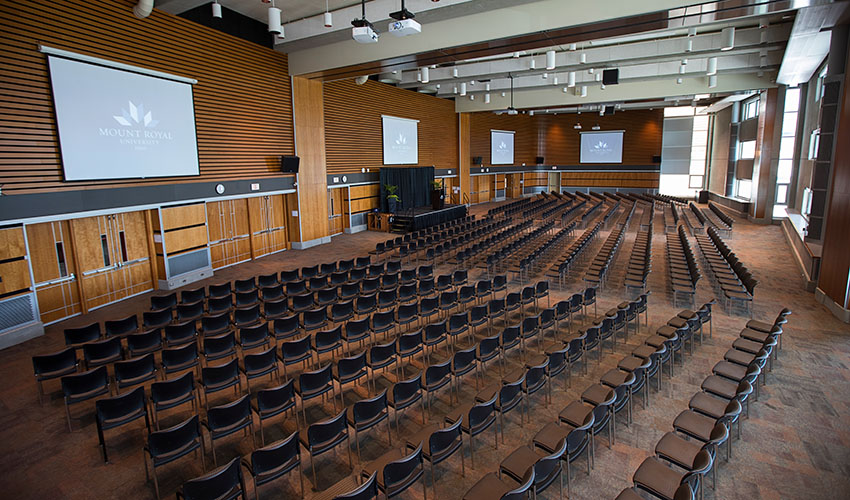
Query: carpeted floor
[796, 443]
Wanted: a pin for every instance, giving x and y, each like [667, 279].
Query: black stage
[422, 217]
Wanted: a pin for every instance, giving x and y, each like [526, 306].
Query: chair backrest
[253, 334]
[166, 441]
[220, 417]
[173, 389]
[275, 455]
[366, 491]
[224, 482]
[116, 407]
[351, 365]
[180, 356]
[294, 349]
[134, 368]
[212, 375]
[121, 326]
[276, 397]
[368, 409]
[437, 372]
[405, 389]
[224, 343]
[326, 430]
[62, 360]
[401, 473]
[181, 332]
[193, 296]
[102, 348]
[82, 334]
[520, 492]
[316, 379]
[480, 412]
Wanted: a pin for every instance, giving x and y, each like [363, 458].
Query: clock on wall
[219, 188]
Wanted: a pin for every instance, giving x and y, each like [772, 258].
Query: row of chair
[684, 271]
[499, 260]
[726, 221]
[471, 255]
[597, 271]
[707, 424]
[444, 241]
[640, 261]
[573, 254]
[441, 231]
[730, 274]
[529, 265]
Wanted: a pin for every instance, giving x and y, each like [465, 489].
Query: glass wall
[787, 146]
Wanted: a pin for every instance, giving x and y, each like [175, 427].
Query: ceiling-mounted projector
[404, 27]
[363, 31]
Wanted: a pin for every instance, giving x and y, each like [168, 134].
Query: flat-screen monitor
[116, 124]
[602, 147]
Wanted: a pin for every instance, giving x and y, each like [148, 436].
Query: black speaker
[609, 110]
[477, 160]
[656, 159]
[538, 160]
[611, 76]
[289, 164]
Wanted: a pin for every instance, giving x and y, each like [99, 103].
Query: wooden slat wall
[14, 268]
[364, 198]
[242, 99]
[312, 179]
[353, 131]
[525, 138]
[641, 180]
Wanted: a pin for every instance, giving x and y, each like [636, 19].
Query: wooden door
[14, 268]
[54, 270]
[230, 232]
[266, 218]
[554, 182]
[484, 188]
[335, 211]
[113, 256]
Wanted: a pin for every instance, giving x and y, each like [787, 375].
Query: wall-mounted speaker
[538, 160]
[289, 164]
[611, 76]
[656, 159]
[477, 160]
[609, 110]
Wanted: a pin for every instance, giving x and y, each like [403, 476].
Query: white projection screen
[116, 124]
[602, 147]
[501, 147]
[401, 140]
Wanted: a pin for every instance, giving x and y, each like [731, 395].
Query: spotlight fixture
[727, 38]
[582, 90]
[598, 77]
[486, 98]
[678, 81]
[682, 68]
[712, 81]
[692, 31]
[532, 64]
[404, 24]
[503, 94]
[555, 80]
[577, 126]
[601, 86]
[329, 18]
[601, 110]
[550, 59]
[516, 55]
[462, 88]
[530, 112]
[566, 90]
[596, 127]
[487, 86]
[573, 46]
[471, 97]
[712, 66]
[571, 79]
[426, 74]
[454, 72]
[216, 10]
[582, 58]
[545, 75]
[419, 75]
[274, 20]
[689, 45]
[363, 31]
[590, 71]
[455, 89]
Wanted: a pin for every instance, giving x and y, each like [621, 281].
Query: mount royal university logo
[138, 128]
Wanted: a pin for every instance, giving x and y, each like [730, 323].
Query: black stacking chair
[275, 460]
[312, 384]
[102, 352]
[476, 418]
[407, 293]
[426, 287]
[227, 419]
[219, 347]
[463, 362]
[220, 305]
[371, 285]
[589, 298]
[139, 344]
[326, 296]
[546, 468]
[527, 298]
[366, 491]
[495, 310]
[389, 281]
[530, 327]
[246, 299]
[215, 324]
[328, 341]
[309, 272]
[134, 371]
[267, 280]
[327, 268]
[404, 394]
[259, 365]
[156, 319]
[218, 378]
[483, 290]
[338, 278]
[341, 312]
[190, 312]
[367, 413]
[350, 369]
[180, 334]
[547, 321]
[425, 272]
[314, 319]
[500, 284]
[381, 356]
[407, 314]
[121, 327]
[541, 289]
[325, 436]
[356, 331]
[245, 285]
[466, 294]
[275, 309]
[513, 301]
[172, 393]
[537, 377]
[179, 358]
[162, 302]
[575, 353]
[393, 266]
[365, 304]
[444, 282]
[458, 324]
[52, 366]
[396, 473]
[437, 375]
[459, 278]
[302, 303]
[383, 322]
[117, 411]
[252, 337]
[83, 386]
[288, 276]
[387, 299]
[226, 482]
[438, 445]
[193, 296]
[285, 328]
[295, 287]
[488, 348]
[82, 335]
[490, 487]
[272, 402]
[428, 306]
[296, 351]
[574, 440]
[168, 445]
[349, 291]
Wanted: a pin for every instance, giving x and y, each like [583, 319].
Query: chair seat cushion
[739, 357]
[754, 335]
[694, 424]
[747, 345]
[720, 386]
[677, 322]
[631, 363]
[644, 351]
[708, 405]
[760, 326]
[678, 450]
[551, 435]
[657, 478]
[615, 378]
[519, 461]
[628, 494]
[422, 436]
[489, 487]
[729, 370]
[597, 394]
[576, 414]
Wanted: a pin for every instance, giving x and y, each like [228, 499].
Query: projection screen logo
[401, 143]
[138, 128]
[601, 148]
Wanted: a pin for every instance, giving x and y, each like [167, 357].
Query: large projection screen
[116, 124]
[401, 140]
[602, 147]
[501, 147]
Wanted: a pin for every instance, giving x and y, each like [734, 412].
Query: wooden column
[767, 156]
[308, 110]
[463, 151]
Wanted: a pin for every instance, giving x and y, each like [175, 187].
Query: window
[747, 150]
[60, 258]
[814, 142]
[751, 109]
[744, 188]
[820, 84]
[679, 111]
[104, 246]
[123, 241]
[787, 146]
[699, 141]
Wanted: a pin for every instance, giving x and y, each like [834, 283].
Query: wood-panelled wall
[353, 130]
[644, 180]
[363, 198]
[554, 138]
[14, 269]
[242, 98]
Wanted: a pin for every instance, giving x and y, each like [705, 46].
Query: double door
[113, 257]
[229, 232]
[54, 270]
[267, 220]
[336, 202]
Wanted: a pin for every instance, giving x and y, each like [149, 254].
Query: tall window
[699, 143]
[751, 109]
[787, 146]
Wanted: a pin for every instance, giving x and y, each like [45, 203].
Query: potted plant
[392, 199]
[438, 198]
